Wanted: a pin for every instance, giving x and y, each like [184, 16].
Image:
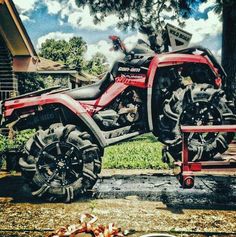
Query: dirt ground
[24, 216]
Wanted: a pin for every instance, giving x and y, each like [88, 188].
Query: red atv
[144, 92]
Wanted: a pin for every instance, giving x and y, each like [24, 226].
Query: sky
[62, 19]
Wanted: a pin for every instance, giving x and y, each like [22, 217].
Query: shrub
[16, 143]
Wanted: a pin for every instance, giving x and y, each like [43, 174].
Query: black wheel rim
[201, 113]
[60, 164]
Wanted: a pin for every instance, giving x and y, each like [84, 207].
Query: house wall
[8, 81]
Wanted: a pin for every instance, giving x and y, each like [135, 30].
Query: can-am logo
[127, 69]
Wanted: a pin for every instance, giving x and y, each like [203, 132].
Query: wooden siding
[8, 82]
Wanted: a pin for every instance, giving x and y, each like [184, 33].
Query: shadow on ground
[208, 193]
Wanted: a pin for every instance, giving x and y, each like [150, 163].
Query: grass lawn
[143, 152]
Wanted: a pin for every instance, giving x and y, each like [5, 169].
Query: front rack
[189, 169]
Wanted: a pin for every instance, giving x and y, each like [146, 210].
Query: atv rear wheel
[62, 163]
[198, 104]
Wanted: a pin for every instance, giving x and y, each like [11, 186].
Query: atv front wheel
[197, 104]
[62, 163]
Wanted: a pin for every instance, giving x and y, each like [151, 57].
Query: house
[17, 54]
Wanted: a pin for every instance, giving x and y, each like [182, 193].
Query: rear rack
[35, 93]
[189, 169]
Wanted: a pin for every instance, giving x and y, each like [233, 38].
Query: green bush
[143, 152]
[16, 143]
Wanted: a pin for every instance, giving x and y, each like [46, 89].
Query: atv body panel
[139, 72]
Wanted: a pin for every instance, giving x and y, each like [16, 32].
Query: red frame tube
[190, 169]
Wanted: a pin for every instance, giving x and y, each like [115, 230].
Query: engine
[125, 110]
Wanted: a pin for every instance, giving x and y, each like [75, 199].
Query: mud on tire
[61, 163]
[197, 104]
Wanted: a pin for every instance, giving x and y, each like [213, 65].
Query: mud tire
[61, 164]
[197, 104]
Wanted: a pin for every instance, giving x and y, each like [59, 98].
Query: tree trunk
[229, 46]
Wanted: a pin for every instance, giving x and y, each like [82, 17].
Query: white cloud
[202, 28]
[25, 5]
[24, 17]
[131, 41]
[206, 4]
[103, 47]
[54, 6]
[54, 35]
[217, 54]
[78, 17]
[67, 8]
[81, 18]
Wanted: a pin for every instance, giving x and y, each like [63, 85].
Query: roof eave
[16, 18]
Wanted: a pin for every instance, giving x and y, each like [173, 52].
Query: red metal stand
[190, 169]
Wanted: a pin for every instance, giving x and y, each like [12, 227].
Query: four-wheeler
[144, 92]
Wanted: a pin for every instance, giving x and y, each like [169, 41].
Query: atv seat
[91, 92]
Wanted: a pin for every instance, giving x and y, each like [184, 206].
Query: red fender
[169, 59]
[67, 101]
